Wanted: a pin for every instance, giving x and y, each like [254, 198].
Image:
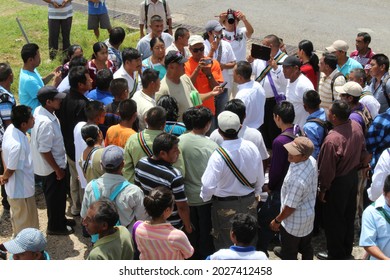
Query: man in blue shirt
[98, 15]
[101, 92]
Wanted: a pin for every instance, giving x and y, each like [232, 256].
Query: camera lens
[230, 18]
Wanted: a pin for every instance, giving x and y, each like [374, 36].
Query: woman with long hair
[309, 61]
[99, 61]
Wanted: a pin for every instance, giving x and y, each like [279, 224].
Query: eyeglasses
[196, 50]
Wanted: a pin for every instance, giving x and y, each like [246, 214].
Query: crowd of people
[185, 147]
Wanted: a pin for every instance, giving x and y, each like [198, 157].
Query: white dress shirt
[144, 103]
[382, 169]
[122, 73]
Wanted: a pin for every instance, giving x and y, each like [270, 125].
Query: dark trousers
[339, 216]
[201, 238]
[269, 130]
[55, 27]
[269, 210]
[292, 245]
[55, 197]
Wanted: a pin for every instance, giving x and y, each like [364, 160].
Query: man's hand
[60, 174]
[321, 196]
[216, 91]
[274, 226]
[3, 180]
[187, 229]
[250, 59]
[272, 63]
[240, 16]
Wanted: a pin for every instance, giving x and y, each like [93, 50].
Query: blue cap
[28, 240]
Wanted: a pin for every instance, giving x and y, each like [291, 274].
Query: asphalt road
[322, 22]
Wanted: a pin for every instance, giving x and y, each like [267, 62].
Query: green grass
[34, 21]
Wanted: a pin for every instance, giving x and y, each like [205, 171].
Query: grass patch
[34, 21]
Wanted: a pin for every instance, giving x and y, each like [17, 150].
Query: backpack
[147, 8]
[326, 125]
[338, 74]
[296, 132]
[367, 118]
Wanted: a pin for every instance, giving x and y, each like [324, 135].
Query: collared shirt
[144, 103]
[378, 136]
[325, 91]
[129, 201]
[299, 191]
[375, 228]
[247, 133]
[154, 9]
[277, 76]
[379, 94]
[114, 54]
[100, 95]
[348, 66]
[132, 82]
[60, 13]
[46, 137]
[362, 59]
[381, 171]
[29, 85]
[64, 85]
[294, 94]
[314, 131]
[219, 180]
[173, 47]
[253, 96]
[238, 253]
[17, 156]
[143, 45]
[340, 153]
[370, 102]
[6, 104]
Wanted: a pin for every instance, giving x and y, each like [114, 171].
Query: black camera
[231, 16]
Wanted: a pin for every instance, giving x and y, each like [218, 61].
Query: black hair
[93, 109]
[158, 200]
[341, 110]
[331, 60]
[90, 134]
[311, 99]
[154, 41]
[188, 116]
[127, 108]
[118, 86]
[77, 61]
[366, 37]
[201, 118]
[244, 227]
[386, 185]
[273, 39]
[244, 69]
[156, 18]
[148, 76]
[164, 142]
[106, 212]
[180, 32]
[232, 135]
[308, 49]
[381, 59]
[77, 75]
[130, 54]
[20, 114]
[5, 71]
[237, 106]
[97, 47]
[117, 35]
[156, 117]
[29, 51]
[70, 52]
[169, 103]
[285, 110]
[103, 79]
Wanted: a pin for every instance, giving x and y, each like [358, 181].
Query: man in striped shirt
[155, 171]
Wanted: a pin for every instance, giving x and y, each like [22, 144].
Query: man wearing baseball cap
[29, 244]
[344, 63]
[48, 152]
[233, 177]
[298, 195]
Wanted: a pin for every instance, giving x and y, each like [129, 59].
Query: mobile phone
[223, 84]
[261, 52]
[207, 61]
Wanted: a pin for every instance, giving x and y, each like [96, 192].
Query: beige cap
[300, 146]
[195, 39]
[351, 88]
[338, 45]
[229, 122]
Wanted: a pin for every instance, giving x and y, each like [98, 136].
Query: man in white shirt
[157, 26]
[145, 97]
[48, 151]
[18, 175]
[182, 35]
[130, 69]
[251, 93]
[297, 85]
[228, 190]
[149, 8]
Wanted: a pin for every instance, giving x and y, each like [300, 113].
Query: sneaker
[67, 231]
[278, 251]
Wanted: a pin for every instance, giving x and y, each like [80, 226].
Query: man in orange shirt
[204, 72]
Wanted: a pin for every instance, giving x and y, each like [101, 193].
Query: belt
[230, 198]
[270, 98]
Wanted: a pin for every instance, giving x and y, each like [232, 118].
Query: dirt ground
[76, 247]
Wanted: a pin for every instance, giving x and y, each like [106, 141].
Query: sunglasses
[196, 50]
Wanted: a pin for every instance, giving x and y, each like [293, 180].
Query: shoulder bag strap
[146, 14]
[85, 165]
[118, 190]
[383, 213]
[134, 86]
[268, 68]
[144, 146]
[95, 189]
[240, 177]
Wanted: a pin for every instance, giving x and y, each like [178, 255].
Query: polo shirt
[46, 137]
[144, 103]
[364, 59]
[151, 173]
[325, 91]
[202, 82]
[253, 96]
[133, 83]
[100, 95]
[173, 47]
[349, 66]
[29, 85]
[238, 253]
[17, 156]
[143, 45]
